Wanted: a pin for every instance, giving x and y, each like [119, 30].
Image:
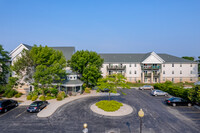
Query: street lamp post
[85, 130]
[141, 114]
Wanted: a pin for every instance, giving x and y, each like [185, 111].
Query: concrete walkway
[54, 104]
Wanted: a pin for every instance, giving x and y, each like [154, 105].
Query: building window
[130, 65]
[135, 65]
[190, 72]
[130, 72]
[135, 79]
[172, 79]
[190, 79]
[163, 65]
[70, 77]
[180, 79]
[163, 79]
[180, 65]
[190, 65]
[163, 72]
[135, 72]
[172, 72]
[180, 72]
[145, 80]
[172, 64]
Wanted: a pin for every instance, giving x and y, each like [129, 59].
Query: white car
[159, 93]
[146, 87]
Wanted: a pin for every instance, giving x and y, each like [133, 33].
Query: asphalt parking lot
[159, 118]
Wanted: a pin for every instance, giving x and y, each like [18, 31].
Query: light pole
[85, 130]
[141, 114]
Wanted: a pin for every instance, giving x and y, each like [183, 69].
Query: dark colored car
[8, 104]
[176, 101]
[37, 106]
[105, 90]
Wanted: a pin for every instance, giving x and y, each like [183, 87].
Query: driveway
[159, 118]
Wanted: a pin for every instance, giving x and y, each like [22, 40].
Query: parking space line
[190, 112]
[8, 112]
[20, 114]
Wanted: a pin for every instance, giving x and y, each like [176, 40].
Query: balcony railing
[150, 67]
[156, 74]
[149, 74]
[116, 67]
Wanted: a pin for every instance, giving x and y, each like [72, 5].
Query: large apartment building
[145, 68]
[150, 67]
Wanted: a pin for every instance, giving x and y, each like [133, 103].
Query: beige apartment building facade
[150, 67]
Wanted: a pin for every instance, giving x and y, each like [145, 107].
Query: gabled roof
[67, 51]
[138, 58]
[28, 46]
[171, 58]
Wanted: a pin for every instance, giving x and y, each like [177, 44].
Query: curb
[197, 107]
[54, 106]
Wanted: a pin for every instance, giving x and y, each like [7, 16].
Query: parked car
[8, 104]
[159, 93]
[146, 87]
[37, 106]
[105, 90]
[176, 101]
[197, 83]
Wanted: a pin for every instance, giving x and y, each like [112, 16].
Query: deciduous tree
[88, 65]
[4, 65]
[114, 82]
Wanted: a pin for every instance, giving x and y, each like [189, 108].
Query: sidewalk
[54, 104]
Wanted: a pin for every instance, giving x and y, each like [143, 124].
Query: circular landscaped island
[111, 108]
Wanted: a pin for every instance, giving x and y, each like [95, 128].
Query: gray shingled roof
[122, 58]
[28, 46]
[171, 58]
[72, 82]
[67, 51]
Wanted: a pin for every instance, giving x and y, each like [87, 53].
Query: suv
[5, 105]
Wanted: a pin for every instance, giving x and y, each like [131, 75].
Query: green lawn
[109, 106]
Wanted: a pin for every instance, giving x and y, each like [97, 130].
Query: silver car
[159, 93]
[146, 87]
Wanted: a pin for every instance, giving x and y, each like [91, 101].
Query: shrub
[109, 106]
[48, 94]
[59, 98]
[61, 95]
[29, 97]
[34, 98]
[10, 93]
[42, 98]
[87, 90]
[18, 95]
[50, 97]
[54, 91]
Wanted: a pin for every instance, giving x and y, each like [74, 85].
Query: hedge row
[192, 94]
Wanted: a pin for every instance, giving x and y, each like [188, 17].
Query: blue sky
[104, 26]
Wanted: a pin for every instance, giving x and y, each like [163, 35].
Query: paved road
[159, 118]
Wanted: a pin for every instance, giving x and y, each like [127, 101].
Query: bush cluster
[42, 98]
[10, 93]
[179, 91]
[35, 97]
[109, 106]
[18, 95]
[87, 90]
[61, 95]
